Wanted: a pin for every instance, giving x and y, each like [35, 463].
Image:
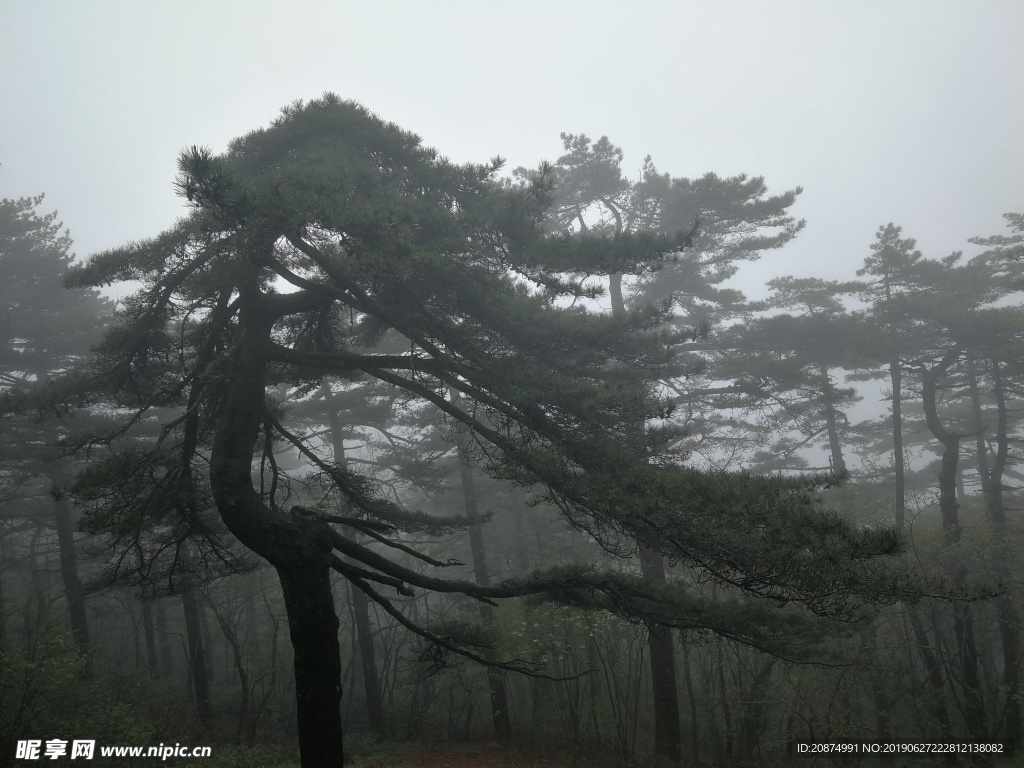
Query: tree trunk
[243, 676]
[688, 677]
[197, 657]
[368, 661]
[204, 625]
[298, 547]
[754, 709]
[667, 735]
[963, 618]
[376, 719]
[896, 379]
[3, 616]
[314, 634]
[495, 680]
[147, 628]
[1007, 616]
[933, 670]
[166, 658]
[69, 574]
[832, 424]
[879, 694]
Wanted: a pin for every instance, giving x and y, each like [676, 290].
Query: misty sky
[911, 112]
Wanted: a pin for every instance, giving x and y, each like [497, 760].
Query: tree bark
[314, 635]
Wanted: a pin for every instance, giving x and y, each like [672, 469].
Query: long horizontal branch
[350, 571]
[521, 667]
[344, 362]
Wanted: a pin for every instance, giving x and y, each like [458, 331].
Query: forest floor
[482, 755]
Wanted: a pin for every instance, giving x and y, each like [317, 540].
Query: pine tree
[359, 219]
[45, 330]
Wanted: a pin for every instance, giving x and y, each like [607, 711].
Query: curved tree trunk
[298, 547]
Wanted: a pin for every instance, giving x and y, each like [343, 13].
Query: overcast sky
[902, 111]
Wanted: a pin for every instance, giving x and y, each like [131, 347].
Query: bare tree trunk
[197, 657]
[688, 677]
[243, 675]
[147, 628]
[991, 473]
[314, 635]
[69, 574]
[495, 680]
[963, 618]
[368, 661]
[933, 670]
[667, 735]
[832, 423]
[726, 707]
[376, 719]
[298, 547]
[896, 379]
[754, 709]
[3, 616]
[166, 659]
[204, 625]
[879, 695]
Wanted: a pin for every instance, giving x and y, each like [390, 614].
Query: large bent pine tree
[309, 242]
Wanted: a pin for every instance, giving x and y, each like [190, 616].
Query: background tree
[45, 331]
[729, 221]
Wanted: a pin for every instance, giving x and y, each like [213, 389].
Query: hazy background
[911, 112]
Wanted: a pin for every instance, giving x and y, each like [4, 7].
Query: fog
[392, 462]
[908, 112]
